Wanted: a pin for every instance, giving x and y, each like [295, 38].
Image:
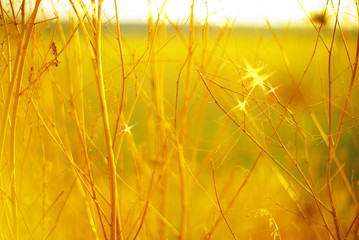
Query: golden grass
[185, 131]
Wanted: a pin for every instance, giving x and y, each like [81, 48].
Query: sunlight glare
[255, 12]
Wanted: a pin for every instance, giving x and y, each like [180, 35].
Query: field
[176, 131]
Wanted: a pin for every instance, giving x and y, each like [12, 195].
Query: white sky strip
[218, 11]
